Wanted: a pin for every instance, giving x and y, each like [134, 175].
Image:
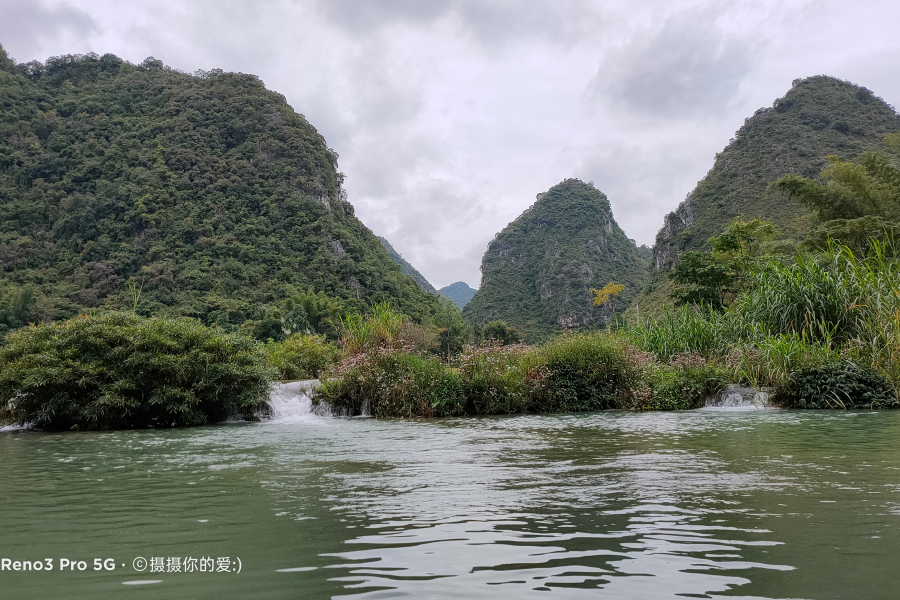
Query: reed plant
[381, 328]
[685, 329]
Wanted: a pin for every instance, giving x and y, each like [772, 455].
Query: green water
[702, 504]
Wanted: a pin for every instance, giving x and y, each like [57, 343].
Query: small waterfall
[741, 398]
[291, 402]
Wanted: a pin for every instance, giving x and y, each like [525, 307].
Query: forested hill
[458, 293]
[407, 268]
[538, 272]
[818, 117]
[207, 188]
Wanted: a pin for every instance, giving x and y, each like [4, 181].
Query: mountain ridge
[459, 293]
[407, 268]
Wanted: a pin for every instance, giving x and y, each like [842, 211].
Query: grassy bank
[821, 331]
[386, 377]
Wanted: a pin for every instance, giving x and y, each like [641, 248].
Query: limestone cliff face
[538, 272]
[818, 117]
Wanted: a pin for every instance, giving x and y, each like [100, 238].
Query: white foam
[291, 402]
[15, 427]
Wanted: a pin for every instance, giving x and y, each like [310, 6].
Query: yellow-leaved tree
[610, 290]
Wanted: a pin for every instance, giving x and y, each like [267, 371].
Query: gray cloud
[688, 66]
[492, 23]
[366, 17]
[28, 26]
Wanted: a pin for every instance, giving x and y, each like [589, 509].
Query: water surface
[699, 504]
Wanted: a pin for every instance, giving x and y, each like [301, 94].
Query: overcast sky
[451, 115]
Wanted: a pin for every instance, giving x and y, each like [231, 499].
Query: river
[696, 504]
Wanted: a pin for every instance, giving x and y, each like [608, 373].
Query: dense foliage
[537, 274]
[843, 384]
[301, 356]
[119, 370]
[715, 278]
[856, 202]
[820, 116]
[574, 372]
[207, 188]
[797, 325]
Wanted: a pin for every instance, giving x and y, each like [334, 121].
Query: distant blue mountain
[459, 293]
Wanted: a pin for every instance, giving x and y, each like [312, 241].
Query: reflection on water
[702, 504]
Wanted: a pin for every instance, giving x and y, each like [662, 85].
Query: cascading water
[740, 398]
[291, 402]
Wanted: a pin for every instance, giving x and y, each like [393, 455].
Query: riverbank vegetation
[119, 370]
[816, 329]
[386, 376]
[822, 330]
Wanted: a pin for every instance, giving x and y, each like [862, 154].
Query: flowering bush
[494, 378]
[390, 382]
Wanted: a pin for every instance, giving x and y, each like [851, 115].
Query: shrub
[387, 382]
[579, 372]
[842, 384]
[493, 378]
[499, 331]
[683, 383]
[119, 370]
[301, 356]
[770, 361]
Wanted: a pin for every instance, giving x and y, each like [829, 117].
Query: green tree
[500, 331]
[855, 202]
[869, 186]
[715, 278]
[453, 332]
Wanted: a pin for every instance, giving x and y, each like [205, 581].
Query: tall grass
[686, 329]
[798, 317]
[381, 328]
